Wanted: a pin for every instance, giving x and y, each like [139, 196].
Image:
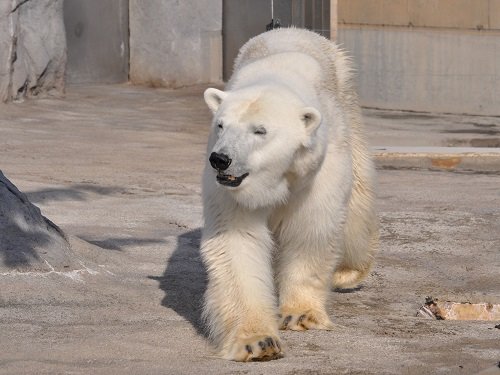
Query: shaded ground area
[118, 168]
[400, 128]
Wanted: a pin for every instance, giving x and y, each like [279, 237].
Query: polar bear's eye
[260, 130]
[220, 125]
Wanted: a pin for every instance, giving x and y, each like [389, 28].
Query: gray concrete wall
[426, 69]
[175, 43]
[97, 34]
[451, 14]
[425, 55]
[244, 19]
[32, 48]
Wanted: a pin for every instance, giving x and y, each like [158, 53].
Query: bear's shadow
[185, 280]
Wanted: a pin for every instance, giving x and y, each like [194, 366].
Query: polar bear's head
[260, 141]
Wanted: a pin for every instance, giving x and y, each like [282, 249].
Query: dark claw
[287, 320]
[270, 341]
[262, 345]
[249, 349]
[301, 318]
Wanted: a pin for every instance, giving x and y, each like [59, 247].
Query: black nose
[219, 161]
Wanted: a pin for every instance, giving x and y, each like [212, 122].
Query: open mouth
[228, 180]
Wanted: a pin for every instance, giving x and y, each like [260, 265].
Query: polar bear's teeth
[228, 177]
[230, 180]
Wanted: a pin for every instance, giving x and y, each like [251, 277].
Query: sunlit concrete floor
[118, 168]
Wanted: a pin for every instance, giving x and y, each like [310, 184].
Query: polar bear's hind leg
[361, 238]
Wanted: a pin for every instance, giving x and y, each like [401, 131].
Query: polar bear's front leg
[306, 261]
[304, 288]
[240, 303]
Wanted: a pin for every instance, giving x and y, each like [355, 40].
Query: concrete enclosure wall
[32, 48]
[175, 43]
[97, 35]
[425, 55]
[244, 19]
[426, 70]
[454, 14]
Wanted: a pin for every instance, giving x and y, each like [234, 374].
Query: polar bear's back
[335, 66]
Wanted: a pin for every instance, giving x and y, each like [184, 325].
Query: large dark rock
[32, 48]
[28, 240]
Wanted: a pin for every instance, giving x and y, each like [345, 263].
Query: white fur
[306, 206]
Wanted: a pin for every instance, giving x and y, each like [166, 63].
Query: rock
[32, 48]
[5, 48]
[29, 242]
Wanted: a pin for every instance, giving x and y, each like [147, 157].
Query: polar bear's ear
[311, 118]
[214, 98]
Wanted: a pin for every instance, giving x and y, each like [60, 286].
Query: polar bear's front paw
[304, 320]
[257, 348]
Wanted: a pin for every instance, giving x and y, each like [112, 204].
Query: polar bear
[287, 193]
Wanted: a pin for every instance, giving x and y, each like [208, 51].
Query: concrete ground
[118, 168]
